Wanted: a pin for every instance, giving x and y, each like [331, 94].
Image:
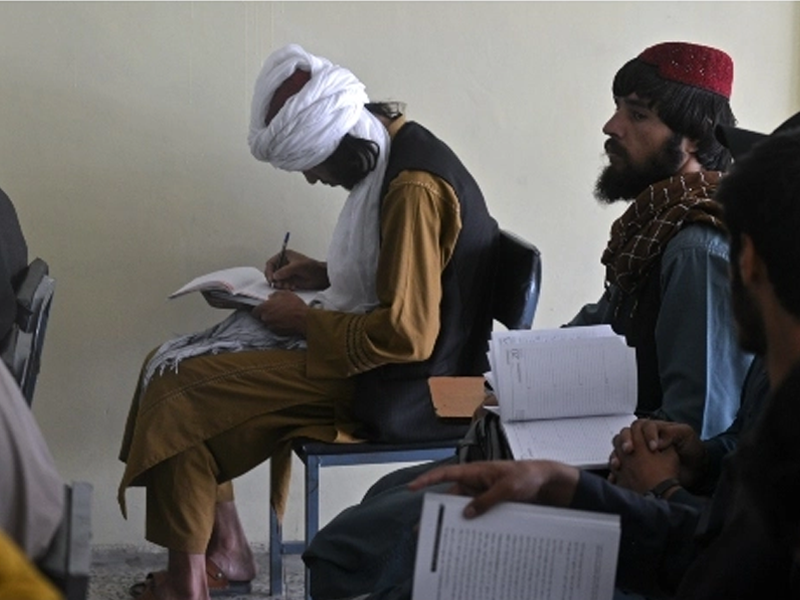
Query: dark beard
[628, 182]
[750, 328]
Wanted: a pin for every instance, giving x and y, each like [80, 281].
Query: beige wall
[124, 127]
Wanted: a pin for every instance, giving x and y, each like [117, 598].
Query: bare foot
[164, 587]
[228, 547]
[237, 564]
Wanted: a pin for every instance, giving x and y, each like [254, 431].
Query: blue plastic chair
[515, 298]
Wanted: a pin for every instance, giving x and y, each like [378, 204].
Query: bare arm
[492, 482]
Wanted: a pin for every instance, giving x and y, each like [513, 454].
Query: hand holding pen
[290, 270]
[282, 255]
[277, 262]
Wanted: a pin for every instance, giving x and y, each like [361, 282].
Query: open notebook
[563, 393]
[236, 287]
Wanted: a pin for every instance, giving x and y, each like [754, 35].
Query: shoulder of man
[698, 237]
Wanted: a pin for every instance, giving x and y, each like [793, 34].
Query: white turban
[302, 134]
[311, 123]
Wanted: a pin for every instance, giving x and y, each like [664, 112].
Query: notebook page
[229, 279]
[550, 375]
[583, 442]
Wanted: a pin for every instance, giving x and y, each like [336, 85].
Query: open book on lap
[514, 551]
[236, 287]
[563, 393]
[583, 442]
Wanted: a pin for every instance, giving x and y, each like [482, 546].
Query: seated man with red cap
[402, 296]
[745, 542]
[666, 259]
[666, 291]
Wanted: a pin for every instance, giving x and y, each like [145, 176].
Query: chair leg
[312, 508]
[275, 554]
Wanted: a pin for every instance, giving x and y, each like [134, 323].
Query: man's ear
[749, 263]
[690, 146]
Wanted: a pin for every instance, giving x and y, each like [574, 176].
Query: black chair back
[21, 349]
[517, 282]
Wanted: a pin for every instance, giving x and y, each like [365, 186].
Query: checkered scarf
[640, 235]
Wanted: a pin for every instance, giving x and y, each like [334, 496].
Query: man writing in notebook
[402, 297]
[666, 274]
[750, 540]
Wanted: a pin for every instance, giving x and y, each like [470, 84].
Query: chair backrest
[21, 350]
[517, 282]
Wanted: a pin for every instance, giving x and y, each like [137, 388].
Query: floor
[116, 568]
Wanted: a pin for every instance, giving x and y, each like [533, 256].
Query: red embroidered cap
[692, 64]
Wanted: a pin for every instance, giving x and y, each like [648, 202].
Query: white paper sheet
[583, 442]
[566, 372]
[514, 552]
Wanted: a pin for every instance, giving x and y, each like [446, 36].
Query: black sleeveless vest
[393, 401]
[635, 317]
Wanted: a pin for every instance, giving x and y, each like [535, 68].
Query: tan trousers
[215, 419]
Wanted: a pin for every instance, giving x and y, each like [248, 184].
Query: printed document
[514, 552]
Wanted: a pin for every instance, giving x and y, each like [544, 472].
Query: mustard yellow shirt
[420, 224]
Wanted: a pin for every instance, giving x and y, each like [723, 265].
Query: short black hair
[687, 110]
[761, 198]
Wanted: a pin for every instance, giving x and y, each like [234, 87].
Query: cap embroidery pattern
[692, 64]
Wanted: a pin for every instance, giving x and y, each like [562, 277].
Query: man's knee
[368, 546]
[402, 477]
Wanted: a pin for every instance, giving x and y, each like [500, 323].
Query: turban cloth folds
[304, 133]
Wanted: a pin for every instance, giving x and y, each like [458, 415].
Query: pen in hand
[282, 255]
